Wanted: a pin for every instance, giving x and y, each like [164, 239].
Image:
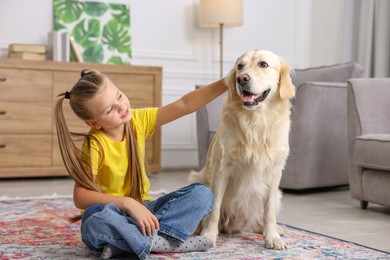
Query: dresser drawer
[25, 85]
[25, 150]
[25, 118]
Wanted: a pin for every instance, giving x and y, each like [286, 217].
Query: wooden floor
[330, 212]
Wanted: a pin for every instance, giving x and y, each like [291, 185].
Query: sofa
[369, 140]
[318, 137]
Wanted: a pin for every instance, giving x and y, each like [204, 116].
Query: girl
[111, 185]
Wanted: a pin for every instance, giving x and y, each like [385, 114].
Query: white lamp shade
[212, 13]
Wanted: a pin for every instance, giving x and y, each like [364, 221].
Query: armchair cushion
[372, 151]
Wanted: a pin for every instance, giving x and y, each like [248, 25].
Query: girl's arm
[148, 223]
[190, 102]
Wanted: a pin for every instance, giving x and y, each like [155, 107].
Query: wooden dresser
[28, 89]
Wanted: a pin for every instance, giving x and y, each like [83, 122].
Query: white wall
[166, 33]
[327, 33]
[190, 55]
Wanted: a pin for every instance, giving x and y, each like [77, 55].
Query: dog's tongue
[250, 98]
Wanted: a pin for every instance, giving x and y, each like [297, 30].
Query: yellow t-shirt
[111, 174]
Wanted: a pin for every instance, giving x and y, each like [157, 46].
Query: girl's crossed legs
[178, 212]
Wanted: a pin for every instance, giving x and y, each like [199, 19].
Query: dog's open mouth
[251, 99]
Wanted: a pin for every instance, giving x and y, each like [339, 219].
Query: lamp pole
[221, 49]
[220, 13]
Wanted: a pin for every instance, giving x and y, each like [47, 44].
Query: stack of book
[27, 51]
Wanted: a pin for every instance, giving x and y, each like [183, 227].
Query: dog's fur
[248, 153]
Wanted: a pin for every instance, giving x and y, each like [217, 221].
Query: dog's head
[259, 76]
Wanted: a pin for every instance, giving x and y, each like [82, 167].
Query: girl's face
[110, 108]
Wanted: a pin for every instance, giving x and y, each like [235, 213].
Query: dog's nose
[243, 79]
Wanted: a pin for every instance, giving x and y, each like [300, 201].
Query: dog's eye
[263, 64]
[240, 66]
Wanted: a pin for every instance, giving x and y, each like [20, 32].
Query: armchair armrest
[207, 121]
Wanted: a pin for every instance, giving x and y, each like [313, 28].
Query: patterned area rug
[36, 228]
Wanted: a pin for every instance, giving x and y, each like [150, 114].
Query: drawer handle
[3, 79]
[2, 146]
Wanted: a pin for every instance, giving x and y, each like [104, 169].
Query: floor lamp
[220, 13]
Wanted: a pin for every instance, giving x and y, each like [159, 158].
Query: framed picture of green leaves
[100, 30]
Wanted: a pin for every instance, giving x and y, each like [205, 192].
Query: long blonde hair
[77, 163]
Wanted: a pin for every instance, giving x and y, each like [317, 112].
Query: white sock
[165, 244]
[110, 251]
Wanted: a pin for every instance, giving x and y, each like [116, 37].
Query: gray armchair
[369, 140]
[318, 138]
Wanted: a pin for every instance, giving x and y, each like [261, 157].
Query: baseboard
[179, 159]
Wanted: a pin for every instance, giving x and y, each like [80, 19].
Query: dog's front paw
[275, 243]
[280, 230]
[210, 235]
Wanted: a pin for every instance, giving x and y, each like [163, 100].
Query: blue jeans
[178, 213]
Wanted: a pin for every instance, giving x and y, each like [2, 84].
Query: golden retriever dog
[247, 155]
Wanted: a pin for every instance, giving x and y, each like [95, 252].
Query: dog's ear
[230, 81]
[286, 87]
